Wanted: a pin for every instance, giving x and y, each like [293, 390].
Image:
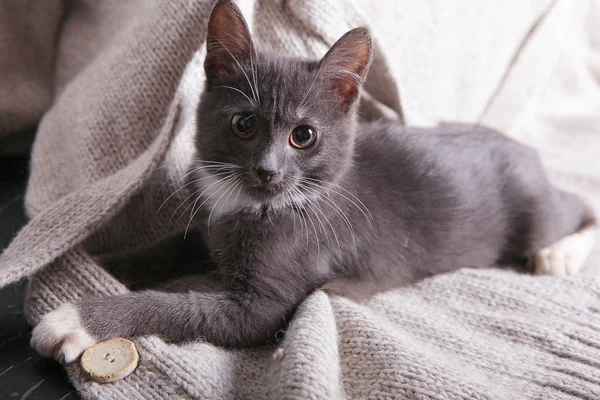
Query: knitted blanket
[117, 138]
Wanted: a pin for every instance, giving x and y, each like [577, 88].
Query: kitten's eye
[303, 136]
[244, 125]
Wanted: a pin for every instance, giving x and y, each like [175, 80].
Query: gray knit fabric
[127, 77]
[474, 334]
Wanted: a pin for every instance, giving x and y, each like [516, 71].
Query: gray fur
[387, 205]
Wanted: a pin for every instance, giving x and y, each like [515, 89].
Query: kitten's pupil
[303, 137]
[244, 125]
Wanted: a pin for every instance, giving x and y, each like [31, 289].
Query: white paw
[61, 335]
[565, 257]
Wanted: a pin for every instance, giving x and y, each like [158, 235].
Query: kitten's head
[271, 127]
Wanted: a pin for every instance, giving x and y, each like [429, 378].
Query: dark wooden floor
[23, 373]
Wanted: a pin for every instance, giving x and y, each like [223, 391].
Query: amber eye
[244, 125]
[303, 136]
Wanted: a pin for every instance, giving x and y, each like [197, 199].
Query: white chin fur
[224, 198]
[61, 335]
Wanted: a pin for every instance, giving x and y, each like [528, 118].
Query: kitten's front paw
[61, 335]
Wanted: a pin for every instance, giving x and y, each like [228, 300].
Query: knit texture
[26, 62]
[119, 135]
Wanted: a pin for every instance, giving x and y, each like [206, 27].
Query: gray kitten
[296, 195]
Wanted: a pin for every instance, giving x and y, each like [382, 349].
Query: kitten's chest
[242, 235]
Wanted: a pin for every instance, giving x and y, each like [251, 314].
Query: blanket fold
[119, 136]
[29, 33]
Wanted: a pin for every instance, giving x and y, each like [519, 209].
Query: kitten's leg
[201, 283]
[225, 318]
[62, 335]
[567, 256]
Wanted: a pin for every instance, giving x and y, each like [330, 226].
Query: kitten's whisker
[328, 222]
[335, 208]
[312, 84]
[325, 197]
[319, 102]
[301, 212]
[237, 90]
[191, 195]
[183, 187]
[369, 219]
[288, 199]
[171, 179]
[234, 185]
[193, 204]
[287, 195]
[176, 191]
[341, 212]
[346, 191]
[223, 181]
[304, 215]
[343, 215]
[159, 167]
[227, 168]
[205, 167]
[167, 165]
[254, 75]
[193, 213]
[213, 169]
[321, 185]
[241, 186]
[216, 163]
[315, 230]
[311, 207]
[226, 190]
[238, 63]
[322, 227]
[254, 94]
[181, 204]
[317, 236]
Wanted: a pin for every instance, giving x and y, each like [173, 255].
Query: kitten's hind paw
[568, 255]
[61, 335]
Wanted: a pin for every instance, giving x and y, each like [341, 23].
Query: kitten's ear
[228, 40]
[346, 64]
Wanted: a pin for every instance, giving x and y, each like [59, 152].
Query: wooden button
[110, 360]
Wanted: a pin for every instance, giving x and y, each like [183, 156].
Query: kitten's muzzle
[265, 175]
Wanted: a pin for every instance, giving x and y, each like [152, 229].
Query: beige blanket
[125, 81]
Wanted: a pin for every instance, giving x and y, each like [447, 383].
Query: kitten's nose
[264, 175]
